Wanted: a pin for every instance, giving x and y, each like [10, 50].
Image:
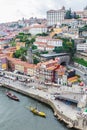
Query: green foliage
[42, 34]
[17, 54]
[37, 53]
[58, 49]
[44, 52]
[68, 47]
[77, 16]
[83, 28]
[23, 37]
[32, 40]
[13, 43]
[68, 14]
[23, 50]
[29, 34]
[80, 61]
[20, 52]
[79, 80]
[35, 60]
[78, 75]
[34, 47]
[27, 43]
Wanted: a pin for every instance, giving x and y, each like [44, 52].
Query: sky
[12, 10]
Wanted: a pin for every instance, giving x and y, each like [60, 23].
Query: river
[15, 116]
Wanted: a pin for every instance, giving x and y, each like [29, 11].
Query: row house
[49, 71]
[23, 67]
[3, 62]
[59, 72]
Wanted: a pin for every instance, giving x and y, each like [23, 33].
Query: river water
[15, 116]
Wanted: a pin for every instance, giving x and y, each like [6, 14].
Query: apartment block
[49, 71]
[47, 43]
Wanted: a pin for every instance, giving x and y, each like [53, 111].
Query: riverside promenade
[62, 111]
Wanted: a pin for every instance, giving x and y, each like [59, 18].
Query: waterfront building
[55, 16]
[59, 72]
[21, 66]
[49, 71]
[3, 62]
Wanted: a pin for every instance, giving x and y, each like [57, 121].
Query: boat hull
[13, 97]
[36, 112]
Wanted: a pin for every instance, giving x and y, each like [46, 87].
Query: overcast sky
[11, 10]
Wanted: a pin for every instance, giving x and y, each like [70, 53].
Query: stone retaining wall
[58, 114]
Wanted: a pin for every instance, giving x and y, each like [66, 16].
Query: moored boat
[37, 112]
[12, 96]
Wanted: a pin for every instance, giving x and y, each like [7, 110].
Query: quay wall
[59, 115]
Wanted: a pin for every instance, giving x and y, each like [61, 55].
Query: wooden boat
[37, 112]
[12, 96]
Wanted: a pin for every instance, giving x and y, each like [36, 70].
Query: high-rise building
[54, 17]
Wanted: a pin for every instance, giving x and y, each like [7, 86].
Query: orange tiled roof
[22, 63]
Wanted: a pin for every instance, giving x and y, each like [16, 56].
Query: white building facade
[47, 43]
[81, 47]
[55, 16]
[50, 41]
[38, 29]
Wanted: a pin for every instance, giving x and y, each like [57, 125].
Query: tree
[32, 40]
[74, 15]
[42, 34]
[27, 43]
[20, 53]
[13, 43]
[17, 54]
[68, 14]
[34, 47]
[23, 37]
[58, 49]
[36, 60]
